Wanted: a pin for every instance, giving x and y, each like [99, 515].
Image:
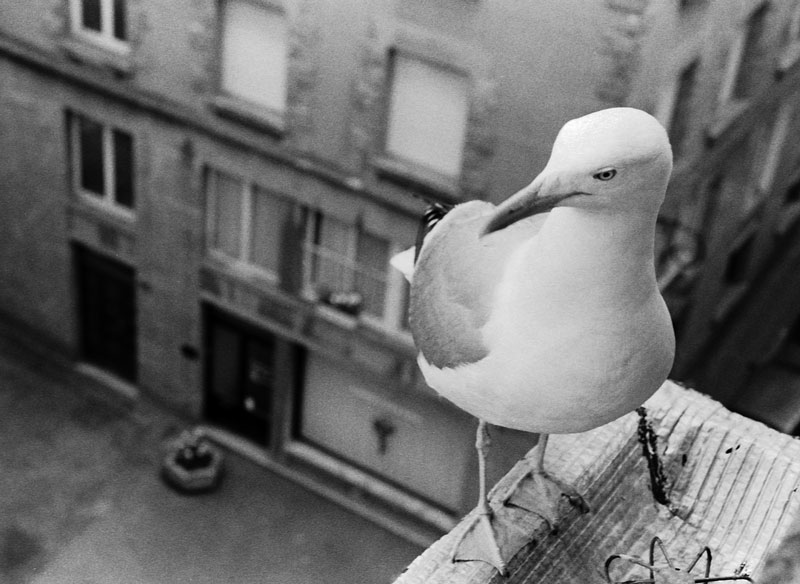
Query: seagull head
[616, 160]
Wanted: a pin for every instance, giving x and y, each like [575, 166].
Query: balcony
[308, 320]
[342, 283]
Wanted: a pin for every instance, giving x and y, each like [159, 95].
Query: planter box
[203, 479]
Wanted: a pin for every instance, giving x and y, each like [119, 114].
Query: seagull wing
[403, 262]
[455, 281]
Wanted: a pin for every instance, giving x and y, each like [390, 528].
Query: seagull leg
[478, 541]
[543, 493]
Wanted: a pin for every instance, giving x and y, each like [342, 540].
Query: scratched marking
[647, 438]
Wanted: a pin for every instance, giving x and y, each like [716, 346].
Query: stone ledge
[89, 51]
[729, 484]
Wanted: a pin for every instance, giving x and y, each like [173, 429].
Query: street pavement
[81, 500]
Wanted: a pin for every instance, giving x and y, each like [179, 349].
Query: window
[245, 222]
[336, 263]
[102, 20]
[737, 268]
[793, 29]
[791, 42]
[427, 115]
[791, 208]
[254, 54]
[343, 263]
[746, 58]
[270, 214]
[372, 259]
[747, 74]
[327, 263]
[738, 273]
[102, 160]
[792, 195]
[679, 125]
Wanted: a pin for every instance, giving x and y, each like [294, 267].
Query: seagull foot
[538, 492]
[478, 542]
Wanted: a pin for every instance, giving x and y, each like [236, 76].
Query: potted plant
[341, 308]
[192, 464]
[350, 303]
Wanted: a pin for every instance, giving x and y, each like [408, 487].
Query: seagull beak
[531, 200]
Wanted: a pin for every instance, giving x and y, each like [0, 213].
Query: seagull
[543, 314]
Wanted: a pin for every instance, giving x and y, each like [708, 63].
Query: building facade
[201, 198]
[730, 96]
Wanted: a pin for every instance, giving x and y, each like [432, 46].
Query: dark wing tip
[430, 218]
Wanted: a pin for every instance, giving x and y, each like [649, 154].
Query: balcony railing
[343, 282]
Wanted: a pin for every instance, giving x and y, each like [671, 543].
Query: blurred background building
[200, 198]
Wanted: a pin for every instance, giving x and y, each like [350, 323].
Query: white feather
[404, 263]
[578, 333]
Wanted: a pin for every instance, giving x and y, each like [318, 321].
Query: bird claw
[542, 495]
[479, 542]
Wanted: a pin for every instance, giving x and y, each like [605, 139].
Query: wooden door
[107, 305]
[240, 376]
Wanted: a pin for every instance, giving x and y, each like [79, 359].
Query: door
[107, 305]
[240, 376]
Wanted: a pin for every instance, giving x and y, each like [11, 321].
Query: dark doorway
[107, 304]
[243, 371]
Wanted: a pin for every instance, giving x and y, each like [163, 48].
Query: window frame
[744, 249]
[791, 50]
[397, 163]
[738, 51]
[793, 29]
[790, 208]
[680, 106]
[239, 108]
[395, 300]
[108, 198]
[250, 188]
[394, 297]
[775, 146]
[105, 37]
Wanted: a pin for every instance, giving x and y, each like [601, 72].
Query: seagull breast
[515, 334]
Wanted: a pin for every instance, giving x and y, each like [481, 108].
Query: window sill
[754, 200]
[727, 114]
[787, 59]
[729, 300]
[242, 112]
[396, 337]
[428, 183]
[405, 526]
[87, 50]
[369, 484]
[789, 216]
[400, 339]
[683, 166]
[249, 273]
[86, 205]
[124, 388]
[687, 6]
[333, 315]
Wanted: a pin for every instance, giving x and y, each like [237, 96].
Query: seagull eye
[606, 174]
